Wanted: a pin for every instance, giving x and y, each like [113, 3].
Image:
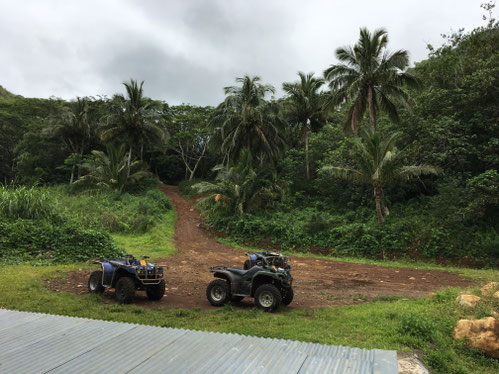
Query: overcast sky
[188, 50]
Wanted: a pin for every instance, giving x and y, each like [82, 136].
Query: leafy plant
[378, 162]
[26, 203]
[240, 188]
[111, 171]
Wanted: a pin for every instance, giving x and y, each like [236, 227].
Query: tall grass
[26, 203]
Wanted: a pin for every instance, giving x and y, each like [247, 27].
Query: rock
[490, 288]
[468, 301]
[496, 295]
[482, 334]
[412, 278]
[409, 363]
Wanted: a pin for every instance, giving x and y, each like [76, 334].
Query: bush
[24, 240]
[26, 203]
[409, 231]
[418, 326]
[114, 212]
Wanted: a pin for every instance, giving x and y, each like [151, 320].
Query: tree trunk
[384, 208]
[377, 197]
[72, 173]
[372, 114]
[305, 138]
[129, 158]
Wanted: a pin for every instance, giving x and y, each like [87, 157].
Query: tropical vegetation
[313, 170]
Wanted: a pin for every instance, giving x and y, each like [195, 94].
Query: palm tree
[240, 188]
[135, 117]
[306, 106]
[247, 120]
[72, 124]
[370, 77]
[378, 162]
[110, 171]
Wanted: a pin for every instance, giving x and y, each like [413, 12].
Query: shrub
[418, 326]
[22, 240]
[26, 203]
[116, 212]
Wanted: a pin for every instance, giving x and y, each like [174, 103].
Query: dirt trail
[317, 282]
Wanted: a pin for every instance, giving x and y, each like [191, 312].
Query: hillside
[4, 94]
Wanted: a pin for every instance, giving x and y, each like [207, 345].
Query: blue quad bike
[127, 275]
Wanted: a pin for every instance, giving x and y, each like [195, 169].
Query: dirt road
[317, 283]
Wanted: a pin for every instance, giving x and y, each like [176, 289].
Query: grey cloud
[187, 51]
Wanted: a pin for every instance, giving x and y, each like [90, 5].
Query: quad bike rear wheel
[125, 290]
[95, 282]
[218, 292]
[156, 291]
[267, 297]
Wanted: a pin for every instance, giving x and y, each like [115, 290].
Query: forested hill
[408, 167]
[4, 94]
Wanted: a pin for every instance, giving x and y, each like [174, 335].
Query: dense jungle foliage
[371, 158]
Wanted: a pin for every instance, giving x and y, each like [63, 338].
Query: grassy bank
[156, 243]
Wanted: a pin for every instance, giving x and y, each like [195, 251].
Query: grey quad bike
[270, 286]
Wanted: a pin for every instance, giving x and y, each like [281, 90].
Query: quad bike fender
[107, 273]
[266, 277]
[229, 277]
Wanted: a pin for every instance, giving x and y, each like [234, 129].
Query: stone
[481, 334]
[468, 301]
[409, 363]
[490, 288]
[496, 295]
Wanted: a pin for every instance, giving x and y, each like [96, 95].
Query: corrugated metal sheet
[40, 343]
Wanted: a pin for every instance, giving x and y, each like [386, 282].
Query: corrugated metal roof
[42, 343]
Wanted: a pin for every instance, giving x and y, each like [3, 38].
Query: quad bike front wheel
[267, 297]
[125, 290]
[95, 282]
[156, 291]
[218, 292]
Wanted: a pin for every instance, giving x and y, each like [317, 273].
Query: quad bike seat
[244, 273]
[120, 262]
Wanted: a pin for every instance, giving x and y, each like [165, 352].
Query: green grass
[479, 274]
[369, 325]
[156, 243]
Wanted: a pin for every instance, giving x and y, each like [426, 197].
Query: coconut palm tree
[306, 107]
[135, 117]
[370, 77]
[110, 171]
[246, 119]
[240, 188]
[73, 125]
[378, 163]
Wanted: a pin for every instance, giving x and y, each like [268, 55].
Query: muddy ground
[317, 283]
